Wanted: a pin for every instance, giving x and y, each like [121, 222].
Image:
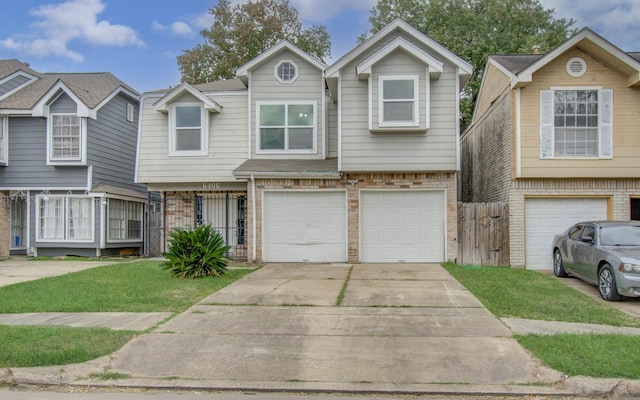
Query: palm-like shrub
[196, 253]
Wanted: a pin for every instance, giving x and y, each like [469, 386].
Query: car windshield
[627, 235]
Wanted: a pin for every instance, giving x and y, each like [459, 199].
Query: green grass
[142, 286]
[599, 356]
[35, 346]
[518, 293]
[508, 292]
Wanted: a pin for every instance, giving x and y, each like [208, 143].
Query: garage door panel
[545, 218]
[402, 226]
[304, 226]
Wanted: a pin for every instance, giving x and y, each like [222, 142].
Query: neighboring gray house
[67, 155]
[298, 161]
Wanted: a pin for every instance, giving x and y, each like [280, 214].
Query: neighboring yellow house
[557, 136]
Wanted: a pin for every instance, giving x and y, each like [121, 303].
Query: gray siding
[111, 141]
[227, 144]
[363, 150]
[11, 84]
[309, 86]
[28, 158]
[332, 128]
[64, 104]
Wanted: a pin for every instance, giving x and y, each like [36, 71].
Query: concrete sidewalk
[23, 269]
[404, 328]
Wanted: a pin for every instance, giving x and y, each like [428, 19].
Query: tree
[242, 32]
[474, 29]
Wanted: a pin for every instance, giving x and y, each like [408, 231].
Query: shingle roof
[8, 67]
[635, 54]
[226, 85]
[90, 88]
[308, 168]
[516, 63]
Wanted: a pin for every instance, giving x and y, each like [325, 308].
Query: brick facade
[352, 183]
[5, 224]
[618, 191]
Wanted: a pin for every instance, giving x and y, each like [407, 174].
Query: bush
[196, 253]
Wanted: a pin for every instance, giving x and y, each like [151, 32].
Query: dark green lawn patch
[599, 356]
[35, 346]
[142, 286]
[518, 293]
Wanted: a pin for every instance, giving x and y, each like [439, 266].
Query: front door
[18, 223]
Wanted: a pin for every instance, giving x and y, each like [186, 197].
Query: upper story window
[398, 100]
[66, 140]
[576, 123]
[188, 129]
[286, 127]
[286, 71]
[3, 141]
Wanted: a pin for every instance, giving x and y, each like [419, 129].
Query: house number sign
[210, 185]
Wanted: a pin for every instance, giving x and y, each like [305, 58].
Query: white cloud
[177, 28]
[204, 20]
[615, 20]
[60, 24]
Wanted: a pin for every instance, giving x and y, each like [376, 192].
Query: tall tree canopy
[474, 29]
[242, 32]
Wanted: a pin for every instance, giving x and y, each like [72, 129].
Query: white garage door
[545, 218]
[304, 226]
[402, 226]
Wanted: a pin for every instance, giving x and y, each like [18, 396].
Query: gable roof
[522, 67]
[89, 90]
[243, 71]
[162, 104]
[399, 26]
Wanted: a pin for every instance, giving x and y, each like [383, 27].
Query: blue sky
[138, 40]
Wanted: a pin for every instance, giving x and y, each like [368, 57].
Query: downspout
[253, 219]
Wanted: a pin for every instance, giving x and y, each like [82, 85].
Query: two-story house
[297, 161]
[557, 137]
[67, 158]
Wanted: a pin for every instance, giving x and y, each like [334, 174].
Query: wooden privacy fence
[483, 234]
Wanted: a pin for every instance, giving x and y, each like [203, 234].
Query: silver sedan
[603, 253]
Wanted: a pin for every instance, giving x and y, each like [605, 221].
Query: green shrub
[196, 253]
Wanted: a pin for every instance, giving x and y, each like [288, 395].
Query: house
[297, 161]
[67, 157]
[556, 137]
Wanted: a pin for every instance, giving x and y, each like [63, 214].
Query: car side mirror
[587, 239]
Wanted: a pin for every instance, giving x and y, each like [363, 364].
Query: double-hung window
[576, 122]
[398, 100]
[286, 127]
[66, 139]
[125, 220]
[65, 218]
[188, 129]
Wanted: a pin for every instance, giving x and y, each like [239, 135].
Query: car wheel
[607, 284]
[558, 266]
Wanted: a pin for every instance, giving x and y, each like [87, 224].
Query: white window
[125, 220]
[3, 141]
[65, 218]
[188, 129]
[286, 71]
[576, 122]
[66, 140]
[130, 112]
[288, 127]
[398, 100]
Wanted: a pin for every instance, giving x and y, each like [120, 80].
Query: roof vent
[576, 67]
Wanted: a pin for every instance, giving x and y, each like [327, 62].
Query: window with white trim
[125, 220]
[286, 127]
[576, 122]
[66, 139]
[286, 71]
[3, 141]
[188, 129]
[398, 100]
[65, 218]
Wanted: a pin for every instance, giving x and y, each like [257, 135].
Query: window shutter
[546, 124]
[606, 123]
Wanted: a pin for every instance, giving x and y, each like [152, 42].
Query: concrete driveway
[402, 328]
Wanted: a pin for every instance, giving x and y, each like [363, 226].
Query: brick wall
[352, 183]
[619, 191]
[5, 224]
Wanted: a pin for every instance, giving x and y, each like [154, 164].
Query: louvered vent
[576, 67]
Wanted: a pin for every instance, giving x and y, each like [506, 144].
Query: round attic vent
[576, 67]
